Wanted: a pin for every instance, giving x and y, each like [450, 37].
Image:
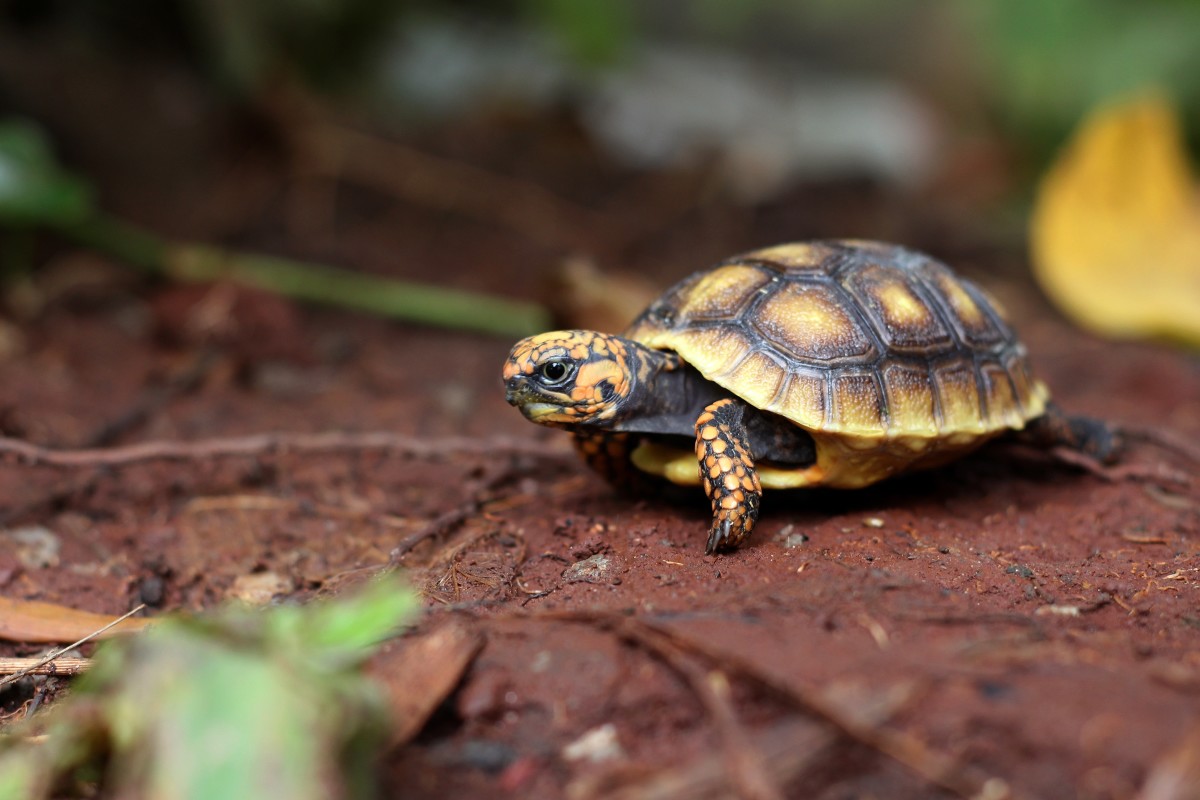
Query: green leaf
[347, 630]
[18, 776]
[197, 719]
[236, 704]
[34, 188]
[594, 32]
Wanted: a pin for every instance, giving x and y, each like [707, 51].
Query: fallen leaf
[418, 674]
[34, 621]
[1115, 232]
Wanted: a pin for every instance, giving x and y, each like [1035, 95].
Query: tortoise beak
[528, 401]
[516, 392]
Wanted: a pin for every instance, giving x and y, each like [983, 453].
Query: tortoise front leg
[727, 473]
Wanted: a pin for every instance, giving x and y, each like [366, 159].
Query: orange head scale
[566, 378]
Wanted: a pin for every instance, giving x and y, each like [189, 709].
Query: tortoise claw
[718, 537]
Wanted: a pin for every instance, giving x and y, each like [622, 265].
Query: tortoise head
[566, 378]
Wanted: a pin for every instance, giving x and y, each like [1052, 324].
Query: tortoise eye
[553, 372]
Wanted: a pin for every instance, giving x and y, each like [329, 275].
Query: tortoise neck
[668, 394]
[647, 364]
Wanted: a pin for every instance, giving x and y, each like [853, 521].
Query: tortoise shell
[859, 341]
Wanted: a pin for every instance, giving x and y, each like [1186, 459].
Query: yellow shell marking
[901, 307]
[759, 377]
[721, 293]
[962, 304]
[802, 400]
[789, 255]
[809, 319]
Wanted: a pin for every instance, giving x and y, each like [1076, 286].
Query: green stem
[319, 283]
[134, 246]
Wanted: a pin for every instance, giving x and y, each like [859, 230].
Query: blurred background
[533, 149]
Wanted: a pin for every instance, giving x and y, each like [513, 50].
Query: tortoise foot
[731, 527]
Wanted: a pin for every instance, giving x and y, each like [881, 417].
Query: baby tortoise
[822, 364]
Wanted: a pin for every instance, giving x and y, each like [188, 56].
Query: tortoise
[829, 363]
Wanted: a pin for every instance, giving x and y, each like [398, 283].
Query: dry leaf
[418, 675]
[32, 621]
[1116, 226]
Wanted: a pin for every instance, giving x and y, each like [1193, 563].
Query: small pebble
[1058, 611]
[151, 590]
[594, 569]
[36, 546]
[598, 744]
[260, 588]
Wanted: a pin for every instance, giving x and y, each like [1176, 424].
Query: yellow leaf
[1115, 233]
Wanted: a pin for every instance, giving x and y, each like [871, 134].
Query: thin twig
[37, 666]
[58, 653]
[1117, 473]
[257, 445]
[746, 771]
[319, 283]
[479, 494]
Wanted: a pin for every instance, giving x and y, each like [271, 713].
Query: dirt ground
[1006, 624]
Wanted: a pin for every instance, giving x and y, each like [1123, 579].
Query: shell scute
[759, 377]
[967, 308]
[803, 396]
[1002, 404]
[958, 397]
[722, 294]
[796, 257]
[812, 323]
[912, 405]
[905, 320]
[858, 402]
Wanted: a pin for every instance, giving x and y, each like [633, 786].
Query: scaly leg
[727, 473]
[608, 454]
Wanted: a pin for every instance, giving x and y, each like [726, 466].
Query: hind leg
[1094, 438]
